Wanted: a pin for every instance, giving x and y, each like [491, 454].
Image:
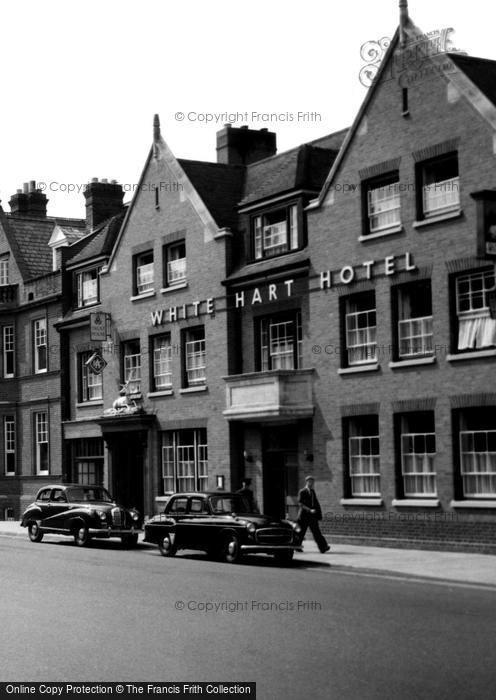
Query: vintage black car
[81, 512]
[220, 523]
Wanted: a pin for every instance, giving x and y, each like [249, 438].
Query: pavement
[460, 568]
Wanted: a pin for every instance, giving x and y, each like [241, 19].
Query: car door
[177, 510]
[58, 508]
[43, 503]
[195, 523]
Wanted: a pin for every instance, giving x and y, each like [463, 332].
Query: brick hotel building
[328, 309]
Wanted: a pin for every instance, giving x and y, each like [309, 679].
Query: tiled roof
[481, 71]
[30, 241]
[304, 167]
[96, 244]
[220, 187]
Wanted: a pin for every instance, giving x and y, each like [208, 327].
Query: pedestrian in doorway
[248, 495]
[310, 513]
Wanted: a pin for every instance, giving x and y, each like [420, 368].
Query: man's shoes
[323, 551]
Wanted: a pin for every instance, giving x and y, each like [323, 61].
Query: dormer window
[276, 232]
[88, 287]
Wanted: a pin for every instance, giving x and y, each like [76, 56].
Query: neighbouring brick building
[30, 377]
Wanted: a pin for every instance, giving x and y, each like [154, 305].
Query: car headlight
[102, 514]
[251, 527]
[296, 527]
[134, 515]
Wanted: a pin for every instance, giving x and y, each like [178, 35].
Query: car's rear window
[229, 504]
[88, 493]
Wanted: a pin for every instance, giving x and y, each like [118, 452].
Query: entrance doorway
[280, 471]
[126, 455]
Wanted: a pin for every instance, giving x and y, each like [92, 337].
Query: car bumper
[97, 532]
[270, 548]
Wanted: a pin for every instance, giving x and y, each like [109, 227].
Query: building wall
[436, 115]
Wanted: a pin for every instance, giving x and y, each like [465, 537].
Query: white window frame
[283, 351]
[415, 337]
[176, 266]
[88, 287]
[41, 438]
[384, 206]
[476, 328]
[195, 359]
[439, 196]
[424, 475]
[162, 363]
[4, 272]
[369, 465]
[8, 346]
[91, 383]
[476, 474]
[144, 273]
[132, 370]
[271, 239]
[185, 466]
[361, 337]
[40, 341]
[9, 427]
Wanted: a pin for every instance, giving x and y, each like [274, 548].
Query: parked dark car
[220, 524]
[82, 512]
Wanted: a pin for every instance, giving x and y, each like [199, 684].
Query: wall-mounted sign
[99, 326]
[388, 266]
[96, 363]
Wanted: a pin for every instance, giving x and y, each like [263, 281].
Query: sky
[82, 81]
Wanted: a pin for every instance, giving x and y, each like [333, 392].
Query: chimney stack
[29, 201]
[103, 200]
[403, 20]
[241, 146]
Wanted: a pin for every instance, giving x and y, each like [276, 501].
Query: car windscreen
[89, 494]
[229, 504]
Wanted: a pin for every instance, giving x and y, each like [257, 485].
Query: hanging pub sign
[99, 326]
[96, 363]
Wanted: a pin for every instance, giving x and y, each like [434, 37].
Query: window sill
[83, 307]
[173, 287]
[88, 404]
[415, 502]
[473, 504]
[472, 355]
[40, 371]
[361, 501]
[371, 367]
[146, 295]
[193, 389]
[157, 394]
[412, 363]
[9, 474]
[438, 219]
[381, 234]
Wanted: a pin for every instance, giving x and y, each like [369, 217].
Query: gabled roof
[28, 239]
[96, 244]
[481, 71]
[479, 89]
[220, 187]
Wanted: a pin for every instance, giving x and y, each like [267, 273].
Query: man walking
[310, 513]
[248, 495]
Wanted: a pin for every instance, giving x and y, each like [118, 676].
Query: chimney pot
[32, 186]
[25, 187]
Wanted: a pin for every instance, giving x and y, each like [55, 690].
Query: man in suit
[247, 494]
[310, 513]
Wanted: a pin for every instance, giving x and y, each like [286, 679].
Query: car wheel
[129, 541]
[232, 549]
[167, 548]
[34, 532]
[284, 557]
[82, 536]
